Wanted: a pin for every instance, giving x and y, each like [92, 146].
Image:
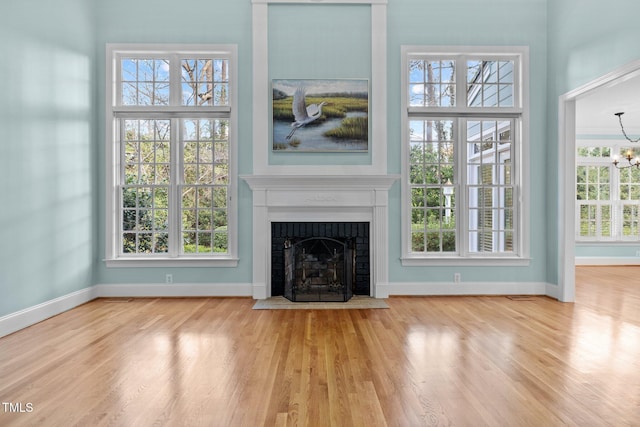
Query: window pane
[205, 82]
[204, 198]
[146, 151]
[593, 183]
[432, 83]
[489, 185]
[490, 83]
[587, 221]
[431, 156]
[630, 184]
[144, 219]
[630, 220]
[594, 152]
[144, 81]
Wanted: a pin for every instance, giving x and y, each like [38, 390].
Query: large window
[463, 120]
[607, 199]
[171, 153]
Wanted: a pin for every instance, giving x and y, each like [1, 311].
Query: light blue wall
[52, 110]
[587, 39]
[334, 41]
[47, 151]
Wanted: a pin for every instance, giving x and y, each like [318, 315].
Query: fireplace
[320, 261]
[334, 199]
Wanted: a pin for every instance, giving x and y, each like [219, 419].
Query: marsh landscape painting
[321, 115]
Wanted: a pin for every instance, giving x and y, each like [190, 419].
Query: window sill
[414, 261]
[171, 262]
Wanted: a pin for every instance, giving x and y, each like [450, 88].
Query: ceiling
[595, 110]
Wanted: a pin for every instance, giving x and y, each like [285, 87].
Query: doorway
[596, 90]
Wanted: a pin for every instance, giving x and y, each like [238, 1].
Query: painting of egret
[321, 115]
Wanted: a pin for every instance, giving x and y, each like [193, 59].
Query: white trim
[319, 199]
[159, 290]
[31, 315]
[566, 176]
[14, 322]
[319, 1]
[552, 291]
[589, 260]
[421, 261]
[464, 288]
[166, 262]
[261, 94]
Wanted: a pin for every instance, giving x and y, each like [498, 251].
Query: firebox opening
[318, 269]
[320, 261]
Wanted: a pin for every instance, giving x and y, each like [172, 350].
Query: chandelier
[629, 154]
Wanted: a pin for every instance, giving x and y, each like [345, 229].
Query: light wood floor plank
[425, 361]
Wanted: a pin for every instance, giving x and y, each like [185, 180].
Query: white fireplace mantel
[319, 198]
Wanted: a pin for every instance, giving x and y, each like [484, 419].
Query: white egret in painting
[302, 114]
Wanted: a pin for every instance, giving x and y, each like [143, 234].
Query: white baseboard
[260, 290]
[175, 290]
[463, 288]
[21, 319]
[588, 260]
[552, 291]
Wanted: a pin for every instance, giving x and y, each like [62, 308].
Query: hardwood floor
[425, 361]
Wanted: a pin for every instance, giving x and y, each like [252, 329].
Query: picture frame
[320, 115]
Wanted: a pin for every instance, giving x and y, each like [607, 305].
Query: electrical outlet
[168, 278]
[456, 277]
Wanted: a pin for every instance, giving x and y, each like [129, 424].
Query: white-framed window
[171, 155]
[465, 117]
[607, 198]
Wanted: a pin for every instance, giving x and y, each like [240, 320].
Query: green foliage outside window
[432, 196]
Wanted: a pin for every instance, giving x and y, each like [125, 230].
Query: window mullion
[175, 189]
[175, 88]
[119, 181]
[461, 82]
[616, 202]
[176, 156]
[462, 201]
